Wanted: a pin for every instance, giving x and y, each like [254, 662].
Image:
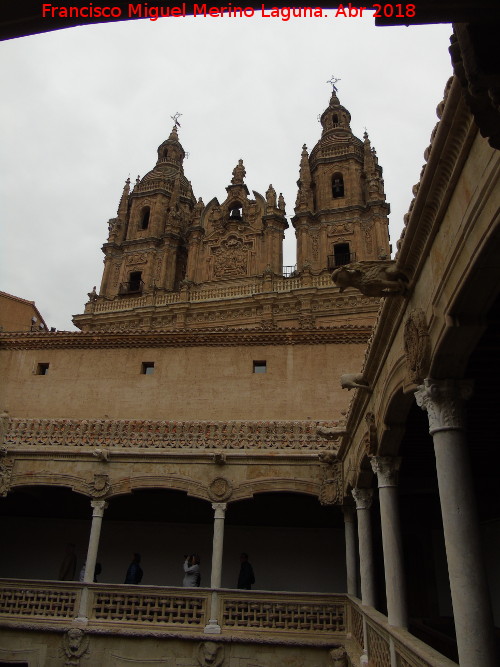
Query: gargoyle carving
[376, 278]
[354, 381]
[330, 433]
[101, 454]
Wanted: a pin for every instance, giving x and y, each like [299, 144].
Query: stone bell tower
[146, 247]
[340, 211]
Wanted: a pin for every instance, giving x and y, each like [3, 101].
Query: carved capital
[98, 507]
[443, 401]
[386, 468]
[349, 513]
[219, 510]
[363, 498]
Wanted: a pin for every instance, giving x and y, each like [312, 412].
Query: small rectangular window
[148, 367]
[42, 369]
[259, 366]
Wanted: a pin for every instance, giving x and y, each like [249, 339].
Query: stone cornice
[219, 337]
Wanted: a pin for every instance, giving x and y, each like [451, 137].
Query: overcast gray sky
[82, 109]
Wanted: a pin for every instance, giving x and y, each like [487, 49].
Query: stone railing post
[386, 468]
[213, 626]
[443, 401]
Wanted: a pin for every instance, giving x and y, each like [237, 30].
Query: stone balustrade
[211, 293]
[307, 618]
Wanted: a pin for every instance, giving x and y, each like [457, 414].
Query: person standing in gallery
[246, 577]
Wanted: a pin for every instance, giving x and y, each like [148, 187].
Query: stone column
[98, 507]
[363, 498]
[386, 469]
[350, 548]
[443, 402]
[213, 626]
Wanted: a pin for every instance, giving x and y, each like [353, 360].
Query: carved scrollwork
[220, 489]
[417, 346]
[6, 467]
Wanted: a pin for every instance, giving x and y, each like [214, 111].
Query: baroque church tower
[172, 262]
[146, 247]
[340, 212]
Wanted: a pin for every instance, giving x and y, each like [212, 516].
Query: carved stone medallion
[75, 646]
[220, 489]
[210, 654]
[331, 491]
[100, 486]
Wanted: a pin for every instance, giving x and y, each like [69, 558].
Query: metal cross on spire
[333, 81]
[175, 118]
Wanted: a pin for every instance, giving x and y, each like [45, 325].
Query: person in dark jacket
[246, 577]
[134, 572]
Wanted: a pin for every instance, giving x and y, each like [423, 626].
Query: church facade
[203, 407]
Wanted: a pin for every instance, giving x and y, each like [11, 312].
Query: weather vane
[333, 81]
[175, 118]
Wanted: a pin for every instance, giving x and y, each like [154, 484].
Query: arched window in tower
[144, 221]
[337, 185]
[135, 281]
[342, 254]
[335, 119]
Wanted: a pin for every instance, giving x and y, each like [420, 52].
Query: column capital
[98, 507]
[363, 498]
[386, 468]
[443, 401]
[219, 509]
[349, 512]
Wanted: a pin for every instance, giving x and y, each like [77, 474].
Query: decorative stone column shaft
[213, 626]
[98, 507]
[363, 498]
[443, 401]
[350, 548]
[386, 469]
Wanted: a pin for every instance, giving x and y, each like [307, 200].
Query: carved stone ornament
[100, 486]
[372, 278]
[354, 381]
[75, 646]
[363, 498]
[386, 468]
[371, 438]
[417, 346]
[339, 657]
[5, 476]
[331, 433]
[220, 489]
[443, 401]
[331, 491]
[210, 654]
[4, 425]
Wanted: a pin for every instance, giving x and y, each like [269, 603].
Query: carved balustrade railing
[383, 639]
[165, 435]
[311, 617]
[284, 612]
[211, 293]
